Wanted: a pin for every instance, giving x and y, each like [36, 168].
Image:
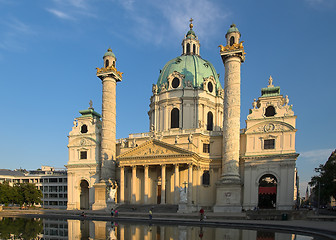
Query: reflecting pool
[29, 228]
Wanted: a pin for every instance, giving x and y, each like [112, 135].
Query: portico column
[122, 184]
[190, 173]
[176, 184]
[163, 184]
[146, 184]
[133, 190]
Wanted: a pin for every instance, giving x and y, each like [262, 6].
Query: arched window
[210, 121]
[232, 40]
[194, 48]
[107, 63]
[175, 83]
[270, 111]
[206, 178]
[188, 48]
[175, 117]
[84, 129]
[210, 87]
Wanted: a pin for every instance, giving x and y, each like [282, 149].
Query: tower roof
[232, 28]
[109, 53]
[270, 90]
[191, 32]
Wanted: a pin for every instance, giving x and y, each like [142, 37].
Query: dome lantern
[190, 43]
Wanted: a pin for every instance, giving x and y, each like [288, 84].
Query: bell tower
[109, 76]
[228, 198]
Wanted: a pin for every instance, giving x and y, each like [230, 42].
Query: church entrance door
[158, 194]
[84, 195]
[267, 192]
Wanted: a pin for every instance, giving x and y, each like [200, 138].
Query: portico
[156, 172]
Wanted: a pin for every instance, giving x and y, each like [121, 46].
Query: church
[195, 154]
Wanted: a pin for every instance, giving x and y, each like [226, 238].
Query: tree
[22, 193]
[29, 193]
[325, 180]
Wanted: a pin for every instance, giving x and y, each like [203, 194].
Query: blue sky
[49, 51]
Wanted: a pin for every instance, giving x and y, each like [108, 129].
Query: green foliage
[21, 228]
[22, 193]
[326, 178]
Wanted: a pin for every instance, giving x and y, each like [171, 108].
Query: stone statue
[163, 86]
[152, 128]
[190, 137]
[189, 84]
[176, 139]
[112, 191]
[75, 123]
[270, 81]
[254, 104]
[154, 89]
[183, 195]
[90, 103]
[286, 100]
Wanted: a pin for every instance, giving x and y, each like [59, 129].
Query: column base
[100, 196]
[71, 206]
[186, 208]
[228, 197]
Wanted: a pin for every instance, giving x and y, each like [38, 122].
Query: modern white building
[52, 183]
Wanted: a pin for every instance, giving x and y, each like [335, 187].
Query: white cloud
[317, 155]
[12, 33]
[60, 14]
[205, 13]
[321, 3]
[71, 9]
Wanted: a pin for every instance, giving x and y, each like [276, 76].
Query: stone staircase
[158, 208]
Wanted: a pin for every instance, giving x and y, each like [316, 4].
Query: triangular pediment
[154, 149]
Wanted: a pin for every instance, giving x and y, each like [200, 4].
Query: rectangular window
[206, 148]
[206, 178]
[83, 154]
[269, 144]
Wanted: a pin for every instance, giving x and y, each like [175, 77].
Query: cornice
[279, 156]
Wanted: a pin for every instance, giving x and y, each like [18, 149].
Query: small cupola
[109, 58]
[232, 35]
[190, 44]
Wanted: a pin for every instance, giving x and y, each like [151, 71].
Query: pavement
[320, 225]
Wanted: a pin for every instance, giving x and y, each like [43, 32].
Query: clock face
[269, 127]
[82, 142]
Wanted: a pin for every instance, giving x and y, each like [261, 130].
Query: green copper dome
[232, 28]
[191, 33]
[193, 67]
[109, 53]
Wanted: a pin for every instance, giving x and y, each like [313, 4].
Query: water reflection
[20, 228]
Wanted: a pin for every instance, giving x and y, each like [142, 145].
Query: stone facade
[195, 155]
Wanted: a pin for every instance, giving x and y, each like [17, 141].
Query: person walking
[201, 214]
[150, 214]
[112, 212]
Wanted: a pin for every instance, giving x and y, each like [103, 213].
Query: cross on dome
[191, 24]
